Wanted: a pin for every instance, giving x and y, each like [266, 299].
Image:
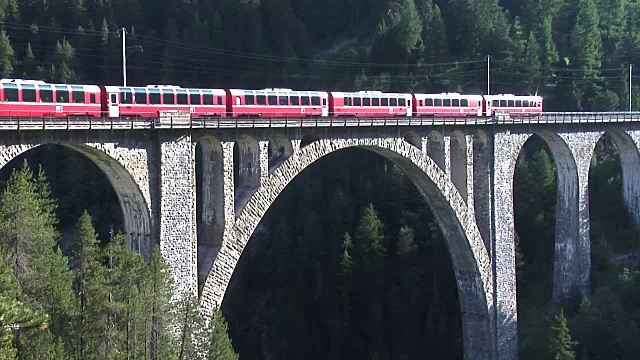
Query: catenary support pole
[630, 88]
[488, 74]
[124, 56]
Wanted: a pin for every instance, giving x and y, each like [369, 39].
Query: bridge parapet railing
[26, 121]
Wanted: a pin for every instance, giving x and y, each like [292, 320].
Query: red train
[33, 98]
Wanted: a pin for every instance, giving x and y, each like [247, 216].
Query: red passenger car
[30, 98]
[447, 104]
[513, 105]
[151, 100]
[277, 103]
[370, 104]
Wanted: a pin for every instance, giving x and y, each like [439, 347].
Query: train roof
[448, 95]
[39, 83]
[276, 90]
[379, 93]
[513, 96]
[161, 87]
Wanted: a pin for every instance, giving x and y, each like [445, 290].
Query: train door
[486, 102]
[114, 106]
[325, 107]
[409, 108]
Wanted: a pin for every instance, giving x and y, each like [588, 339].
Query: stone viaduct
[464, 171]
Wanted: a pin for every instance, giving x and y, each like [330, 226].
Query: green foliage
[561, 346]
[220, 347]
[7, 56]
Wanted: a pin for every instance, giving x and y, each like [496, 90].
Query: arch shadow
[567, 234]
[135, 210]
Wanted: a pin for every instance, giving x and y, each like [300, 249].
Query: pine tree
[220, 346]
[369, 241]
[406, 246]
[587, 53]
[561, 345]
[160, 321]
[65, 65]
[549, 54]
[86, 259]
[29, 63]
[7, 56]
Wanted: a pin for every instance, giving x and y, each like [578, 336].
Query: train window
[357, 101]
[495, 103]
[518, 103]
[393, 101]
[168, 97]
[304, 99]
[92, 99]
[207, 98]
[273, 99]
[446, 102]
[125, 96]
[249, 98]
[183, 98]
[11, 92]
[525, 103]
[503, 103]
[347, 101]
[428, 102]
[375, 102]
[385, 101]
[324, 101]
[315, 100]
[140, 96]
[46, 94]
[195, 98]
[295, 100]
[511, 103]
[28, 93]
[402, 102]
[283, 100]
[366, 101]
[261, 99]
[77, 95]
[220, 100]
[62, 93]
[455, 102]
[154, 97]
[464, 102]
[437, 102]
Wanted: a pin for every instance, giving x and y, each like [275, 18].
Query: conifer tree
[220, 346]
[561, 345]
[548, 52]
[86, 261]
[7, 56]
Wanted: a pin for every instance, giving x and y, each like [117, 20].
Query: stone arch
[470, 260]
[413, 139]
[459, 165]
[246, 169]
[436, 149]
[567, 253]
[280, 149]
[630, 164]
[209, 201]
[133, 202]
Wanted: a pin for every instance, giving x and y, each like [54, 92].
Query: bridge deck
[108, 123]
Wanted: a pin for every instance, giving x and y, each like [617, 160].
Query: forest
[349, 263]
[575, 53]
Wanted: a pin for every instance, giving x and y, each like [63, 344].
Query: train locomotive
[38, 99]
